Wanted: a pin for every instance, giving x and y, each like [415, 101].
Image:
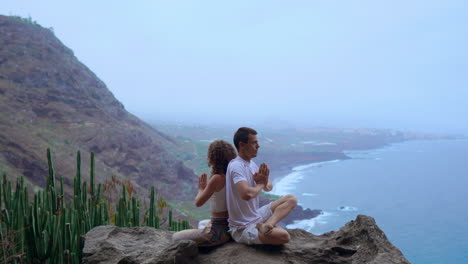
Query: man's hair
[242, 135]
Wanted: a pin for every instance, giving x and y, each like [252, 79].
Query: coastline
[286, 177]
[281, 167]
[410, 213]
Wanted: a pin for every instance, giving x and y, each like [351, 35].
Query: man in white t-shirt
[248, 223]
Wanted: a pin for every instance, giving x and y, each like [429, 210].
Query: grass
[271, 196]
[189, 209]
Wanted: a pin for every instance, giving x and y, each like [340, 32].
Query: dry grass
[8, 245]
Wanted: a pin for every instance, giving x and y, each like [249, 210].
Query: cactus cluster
[49, 230]
[178, 225]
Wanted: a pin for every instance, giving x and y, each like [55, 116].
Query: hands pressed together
[202, 182]
[261, 177]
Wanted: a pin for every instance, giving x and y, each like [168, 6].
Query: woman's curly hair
[220, 153]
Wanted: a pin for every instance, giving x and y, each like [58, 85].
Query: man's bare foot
[264, 229]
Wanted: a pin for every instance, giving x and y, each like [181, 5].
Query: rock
[359, 241]
[112, 244]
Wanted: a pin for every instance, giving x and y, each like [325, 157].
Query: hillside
[48, 98]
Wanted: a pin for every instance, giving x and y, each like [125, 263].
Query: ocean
[417, 191]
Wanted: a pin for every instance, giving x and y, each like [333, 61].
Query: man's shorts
[249, 234]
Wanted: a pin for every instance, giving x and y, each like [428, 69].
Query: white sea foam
[317, 143]
[288, 183]
[308, 142]
[207, 140]
[310, 194]
[347, 208]
[309, 224]
[316, 164]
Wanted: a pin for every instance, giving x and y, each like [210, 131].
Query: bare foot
[264, 229]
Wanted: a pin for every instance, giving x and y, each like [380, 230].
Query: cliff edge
[359, 241]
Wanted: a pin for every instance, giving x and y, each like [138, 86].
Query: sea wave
[206, 140]
[309, 224]
[289, 182]
[315, 164]
[318, 143]
[310, 194]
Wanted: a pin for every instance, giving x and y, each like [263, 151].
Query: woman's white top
[218, 201]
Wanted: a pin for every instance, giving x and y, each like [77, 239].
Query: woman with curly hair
[220, 153]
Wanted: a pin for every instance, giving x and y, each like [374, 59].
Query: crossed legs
[268, 232]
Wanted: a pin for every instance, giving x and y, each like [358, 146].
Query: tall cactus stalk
[171, 223]
[152, 211]
[91, 174]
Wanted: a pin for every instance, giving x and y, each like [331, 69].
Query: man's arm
[269, 186]
[246, 192]
[261, 179]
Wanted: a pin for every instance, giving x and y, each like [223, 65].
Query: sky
[386, 64]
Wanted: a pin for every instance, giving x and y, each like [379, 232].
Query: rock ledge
[359, 241]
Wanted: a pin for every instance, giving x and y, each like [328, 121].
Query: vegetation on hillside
[30, 21]
[49, 229]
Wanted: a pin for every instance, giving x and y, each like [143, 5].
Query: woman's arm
[206, 190]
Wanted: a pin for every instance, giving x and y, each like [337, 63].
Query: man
[249, 224]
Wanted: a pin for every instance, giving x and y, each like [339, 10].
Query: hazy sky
[395, 63]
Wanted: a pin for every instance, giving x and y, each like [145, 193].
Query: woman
[220, 153]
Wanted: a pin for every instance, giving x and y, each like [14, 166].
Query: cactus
[51, 230]
[135, 212]
[91, 174]
[153, 219]
[171, 224]
[48, 229]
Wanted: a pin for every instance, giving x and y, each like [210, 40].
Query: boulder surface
[359, 241]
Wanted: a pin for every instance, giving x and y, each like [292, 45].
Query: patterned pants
[212, 236]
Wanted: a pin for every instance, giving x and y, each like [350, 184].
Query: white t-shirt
[241, 212]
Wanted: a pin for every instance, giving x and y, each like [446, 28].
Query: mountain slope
[49, 99]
